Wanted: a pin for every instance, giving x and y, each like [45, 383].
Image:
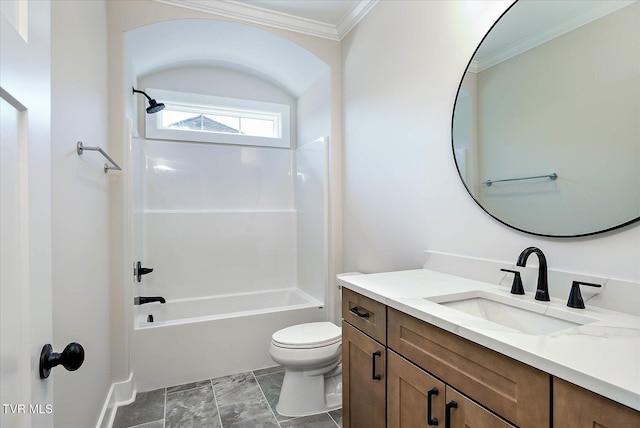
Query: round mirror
[546, 125]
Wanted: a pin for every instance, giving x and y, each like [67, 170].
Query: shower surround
[237, 234]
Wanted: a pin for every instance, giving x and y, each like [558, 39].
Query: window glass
[193, 117]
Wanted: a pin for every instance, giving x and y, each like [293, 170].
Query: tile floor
[245, 400]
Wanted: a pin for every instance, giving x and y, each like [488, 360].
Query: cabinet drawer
[365, 314]
[575, 407]
[515, 391]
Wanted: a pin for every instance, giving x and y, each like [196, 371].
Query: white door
[25, 212]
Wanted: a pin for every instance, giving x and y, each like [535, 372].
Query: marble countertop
[602, 356]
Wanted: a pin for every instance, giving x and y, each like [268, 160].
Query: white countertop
[602, 356]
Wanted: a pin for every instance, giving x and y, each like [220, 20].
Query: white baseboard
[120, 394]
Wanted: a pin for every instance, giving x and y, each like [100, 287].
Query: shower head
[154, 106]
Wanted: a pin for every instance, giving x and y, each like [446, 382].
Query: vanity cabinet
[417, 399]
[575, 407]
[399, 371]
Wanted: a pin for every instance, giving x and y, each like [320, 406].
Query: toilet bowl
[311, 356]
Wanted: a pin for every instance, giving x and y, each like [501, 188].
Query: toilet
[311, 356]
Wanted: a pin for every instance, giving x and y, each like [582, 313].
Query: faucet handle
[516, 286]
[575, 297]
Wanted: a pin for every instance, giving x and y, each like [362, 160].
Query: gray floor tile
[256, 414]
[148, 407]
[322, 420]
[194, 408]
[337, 416]
[154, 424]
[240, 388]
[271, 385]
[268, 370]
[244, 401]
[187, 386]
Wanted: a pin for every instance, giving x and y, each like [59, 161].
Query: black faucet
[575, 297]
[516, 286]
[542, 291]
[141, 300]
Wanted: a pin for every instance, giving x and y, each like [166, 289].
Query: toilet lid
[310, 335]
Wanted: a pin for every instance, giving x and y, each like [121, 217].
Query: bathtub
[203, 338]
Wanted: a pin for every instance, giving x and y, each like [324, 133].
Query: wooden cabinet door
[514, 390]
[363, 380]
[575, 407]
[408, 398]
[464, 413]
[411, 393]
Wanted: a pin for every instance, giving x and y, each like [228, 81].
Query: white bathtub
[202, 338]
[200, 309]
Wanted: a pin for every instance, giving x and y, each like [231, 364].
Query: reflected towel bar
[81, 148]
[551, 176]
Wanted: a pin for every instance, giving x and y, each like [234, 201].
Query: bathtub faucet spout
[141, 300]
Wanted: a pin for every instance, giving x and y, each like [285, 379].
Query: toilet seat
[308, 336]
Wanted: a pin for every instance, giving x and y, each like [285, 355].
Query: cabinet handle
[447, 412]
[374, 376]
[431, 420]
[355, 311]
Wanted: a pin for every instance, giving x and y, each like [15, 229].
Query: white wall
[80, 221]
[314, 111]
[402, 194]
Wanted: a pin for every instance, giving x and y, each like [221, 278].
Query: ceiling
[330, 19]
[245, 48]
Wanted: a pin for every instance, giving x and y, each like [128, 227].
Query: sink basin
[514, 313]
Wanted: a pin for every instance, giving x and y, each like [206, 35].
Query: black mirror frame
[455, 163]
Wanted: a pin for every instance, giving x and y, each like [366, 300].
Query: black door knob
[71, 358]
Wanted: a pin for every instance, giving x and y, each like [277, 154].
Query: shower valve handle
[139, 271]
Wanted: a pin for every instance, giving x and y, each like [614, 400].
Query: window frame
[206, 104]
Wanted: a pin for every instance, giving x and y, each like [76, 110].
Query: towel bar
[551, 176]
[81, 148]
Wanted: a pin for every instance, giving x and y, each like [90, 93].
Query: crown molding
[561, 28]
[258, 15]
[355, 15]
